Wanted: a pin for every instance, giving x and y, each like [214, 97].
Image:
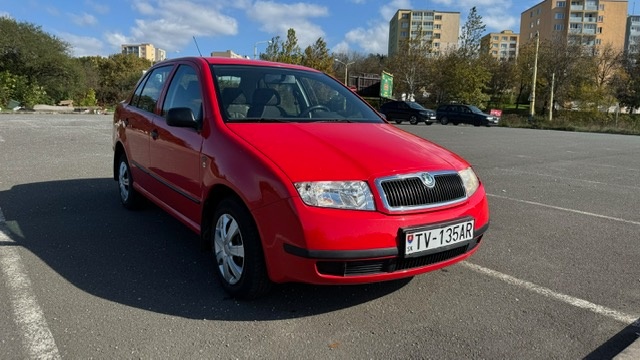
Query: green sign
[386, 85]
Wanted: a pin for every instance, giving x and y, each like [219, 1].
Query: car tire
[428, 123]
[444, 120]
[129, 197]
[455, 123]
[413, 120]
[398, 121]
[237, 251]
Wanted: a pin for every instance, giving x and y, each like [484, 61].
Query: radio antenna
[197, 47]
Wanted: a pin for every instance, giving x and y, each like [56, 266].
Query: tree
[285, 52]
[503, 80]
[409, 65]
[317, 56]
[471, 34]
[41, 62]
[118, 75]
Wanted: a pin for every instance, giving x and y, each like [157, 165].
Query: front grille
[371, 267]
[409, 192]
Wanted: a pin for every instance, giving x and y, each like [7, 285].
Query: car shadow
[146, 259]
[617, 344]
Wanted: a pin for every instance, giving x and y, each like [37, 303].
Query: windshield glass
[415, 105]
[475, 109]
[274, 94]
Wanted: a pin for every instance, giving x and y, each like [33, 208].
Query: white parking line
[583, 304]
[565, 209]
[28, 316]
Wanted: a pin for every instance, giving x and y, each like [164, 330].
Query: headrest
[233, 95]
[266, 96]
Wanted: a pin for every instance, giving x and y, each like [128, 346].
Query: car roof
[213, 60]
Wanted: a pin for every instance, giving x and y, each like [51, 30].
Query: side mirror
[182, 117]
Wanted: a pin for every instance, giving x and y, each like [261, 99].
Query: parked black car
[464, 114]
[413, 112]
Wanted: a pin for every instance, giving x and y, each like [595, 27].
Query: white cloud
[101, 9]
[83, 45]
[116, 39]
[497, 19]
[83, 19]
[4, 14]
[277, 19]
[374, 39]
[341, 48]
[171, 24]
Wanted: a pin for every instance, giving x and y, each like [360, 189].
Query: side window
[150, 93]
[184, 91]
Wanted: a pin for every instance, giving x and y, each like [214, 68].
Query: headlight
[354, 195]
[470, 180]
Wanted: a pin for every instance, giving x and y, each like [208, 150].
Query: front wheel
[444, 120]
[237, 250]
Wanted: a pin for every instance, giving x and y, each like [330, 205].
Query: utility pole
[532, 104]
[553, 82]
[346, 66]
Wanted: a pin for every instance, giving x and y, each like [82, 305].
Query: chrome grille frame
[399, 178]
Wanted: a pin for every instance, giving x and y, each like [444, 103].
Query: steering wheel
[307, 112]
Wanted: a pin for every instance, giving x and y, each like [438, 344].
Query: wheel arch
[117, 152]
[216, 194]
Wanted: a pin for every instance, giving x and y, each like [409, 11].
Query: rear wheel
[444, 120]
[129, 197]
[237, 251]
[413, 120]
[398, 121]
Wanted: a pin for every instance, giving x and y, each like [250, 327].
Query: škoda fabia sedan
[289, 176]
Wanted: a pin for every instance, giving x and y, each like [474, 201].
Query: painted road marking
[28, 316]
[566, 209]
[583, 304]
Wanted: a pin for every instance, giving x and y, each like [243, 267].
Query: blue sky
[98, 27]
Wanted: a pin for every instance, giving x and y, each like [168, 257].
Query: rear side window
[148, 92]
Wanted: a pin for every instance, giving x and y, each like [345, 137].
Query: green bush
[568, 120]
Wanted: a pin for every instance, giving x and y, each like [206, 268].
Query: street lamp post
[346, 66]
[532, 105]
[255, 47]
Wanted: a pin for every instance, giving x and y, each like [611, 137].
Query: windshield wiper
[260, 120]
[332, 120]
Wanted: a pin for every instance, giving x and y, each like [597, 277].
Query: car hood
[345, 151]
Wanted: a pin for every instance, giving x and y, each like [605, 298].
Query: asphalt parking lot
[557, 276]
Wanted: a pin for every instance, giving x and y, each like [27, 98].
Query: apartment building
[503, 45]
[586, 22]
[632, 35]
[145, 51]
[442, 28]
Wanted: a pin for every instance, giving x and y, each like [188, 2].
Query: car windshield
[416, 106]
[276, 94]
[475, 109]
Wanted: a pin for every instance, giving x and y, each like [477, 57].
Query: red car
[289, 176]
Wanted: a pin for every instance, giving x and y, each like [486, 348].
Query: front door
[175, 151]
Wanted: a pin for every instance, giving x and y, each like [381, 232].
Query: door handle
[154, 134]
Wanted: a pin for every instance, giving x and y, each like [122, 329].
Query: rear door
[138, 117]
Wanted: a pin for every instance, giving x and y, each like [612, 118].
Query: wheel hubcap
[229, 249]
[123, 181]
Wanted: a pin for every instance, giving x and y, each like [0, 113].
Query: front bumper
[331, 247]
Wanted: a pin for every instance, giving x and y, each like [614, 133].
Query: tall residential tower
[440, 27]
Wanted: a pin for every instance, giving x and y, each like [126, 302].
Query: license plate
[420, 241]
